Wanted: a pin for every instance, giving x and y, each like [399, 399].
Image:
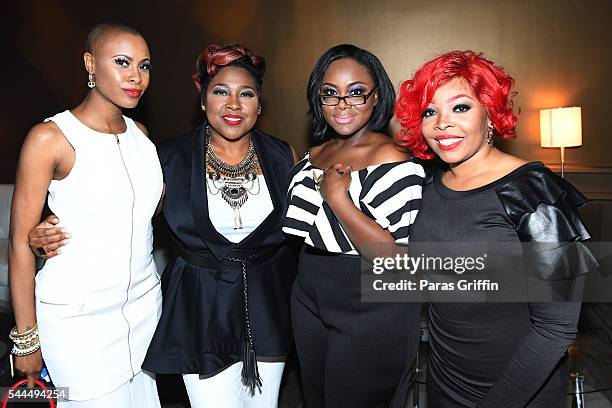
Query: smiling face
[231, 103]
[120, 62]
[347, 77]
[455, 123]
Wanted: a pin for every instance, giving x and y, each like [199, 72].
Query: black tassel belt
[206, 259]
[243, 258]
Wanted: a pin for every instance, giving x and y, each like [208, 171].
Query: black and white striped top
[388, 193]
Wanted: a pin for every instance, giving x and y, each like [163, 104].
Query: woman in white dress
[91, 318]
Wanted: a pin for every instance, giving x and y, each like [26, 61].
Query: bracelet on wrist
[13, 335]
[26, 342]
[17, 352]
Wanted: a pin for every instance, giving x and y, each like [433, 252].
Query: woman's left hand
[334, 183]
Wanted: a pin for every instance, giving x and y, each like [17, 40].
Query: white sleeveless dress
[98, 303]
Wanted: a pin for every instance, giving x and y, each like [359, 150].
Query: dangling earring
[490, 136]
[91, 83]
[259, 110]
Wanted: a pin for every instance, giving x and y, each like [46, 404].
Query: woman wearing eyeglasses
[351, 193]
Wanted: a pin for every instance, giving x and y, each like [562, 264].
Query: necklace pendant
[237, 218]
[235, 194]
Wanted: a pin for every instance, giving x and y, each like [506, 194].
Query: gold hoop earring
[92, 82]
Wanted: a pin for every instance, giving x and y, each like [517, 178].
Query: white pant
[139, 392]
[225, 389]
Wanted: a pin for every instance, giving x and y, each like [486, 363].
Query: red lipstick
[133, 93]
[448, 142]
[233, 119]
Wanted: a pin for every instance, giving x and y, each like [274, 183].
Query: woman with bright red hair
[489, 354]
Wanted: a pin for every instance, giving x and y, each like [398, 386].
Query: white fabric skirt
[95, 349]
[139, 392]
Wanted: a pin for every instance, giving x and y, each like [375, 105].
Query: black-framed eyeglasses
[351, 100]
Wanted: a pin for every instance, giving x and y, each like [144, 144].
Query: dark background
[558, 51]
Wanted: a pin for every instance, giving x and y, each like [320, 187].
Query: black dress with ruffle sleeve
[505, 354]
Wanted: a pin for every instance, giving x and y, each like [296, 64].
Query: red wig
[490, 83]
[214, 57]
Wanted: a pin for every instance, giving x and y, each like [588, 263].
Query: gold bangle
[14, 335]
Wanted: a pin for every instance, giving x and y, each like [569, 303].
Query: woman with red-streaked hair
[490, 354]
[225, 318]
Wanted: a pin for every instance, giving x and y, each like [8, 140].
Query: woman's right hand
[30, 366]
[46, 239]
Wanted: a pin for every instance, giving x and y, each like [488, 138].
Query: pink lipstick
[343, 120]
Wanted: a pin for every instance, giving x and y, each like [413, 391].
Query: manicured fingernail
[59, 251]
[65, 241]
[68, 235]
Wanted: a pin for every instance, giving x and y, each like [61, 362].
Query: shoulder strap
[70, 126]
[132, 127]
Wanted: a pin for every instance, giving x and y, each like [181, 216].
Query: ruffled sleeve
[304, 200]
[391, 195]
[543, 207]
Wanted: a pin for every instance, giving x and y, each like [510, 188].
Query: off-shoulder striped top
[388, 193]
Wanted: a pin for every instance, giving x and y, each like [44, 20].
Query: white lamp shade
[561, 127]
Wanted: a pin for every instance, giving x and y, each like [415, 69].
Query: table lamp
[561, 127]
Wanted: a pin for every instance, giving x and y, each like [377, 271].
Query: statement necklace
[234, 181]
